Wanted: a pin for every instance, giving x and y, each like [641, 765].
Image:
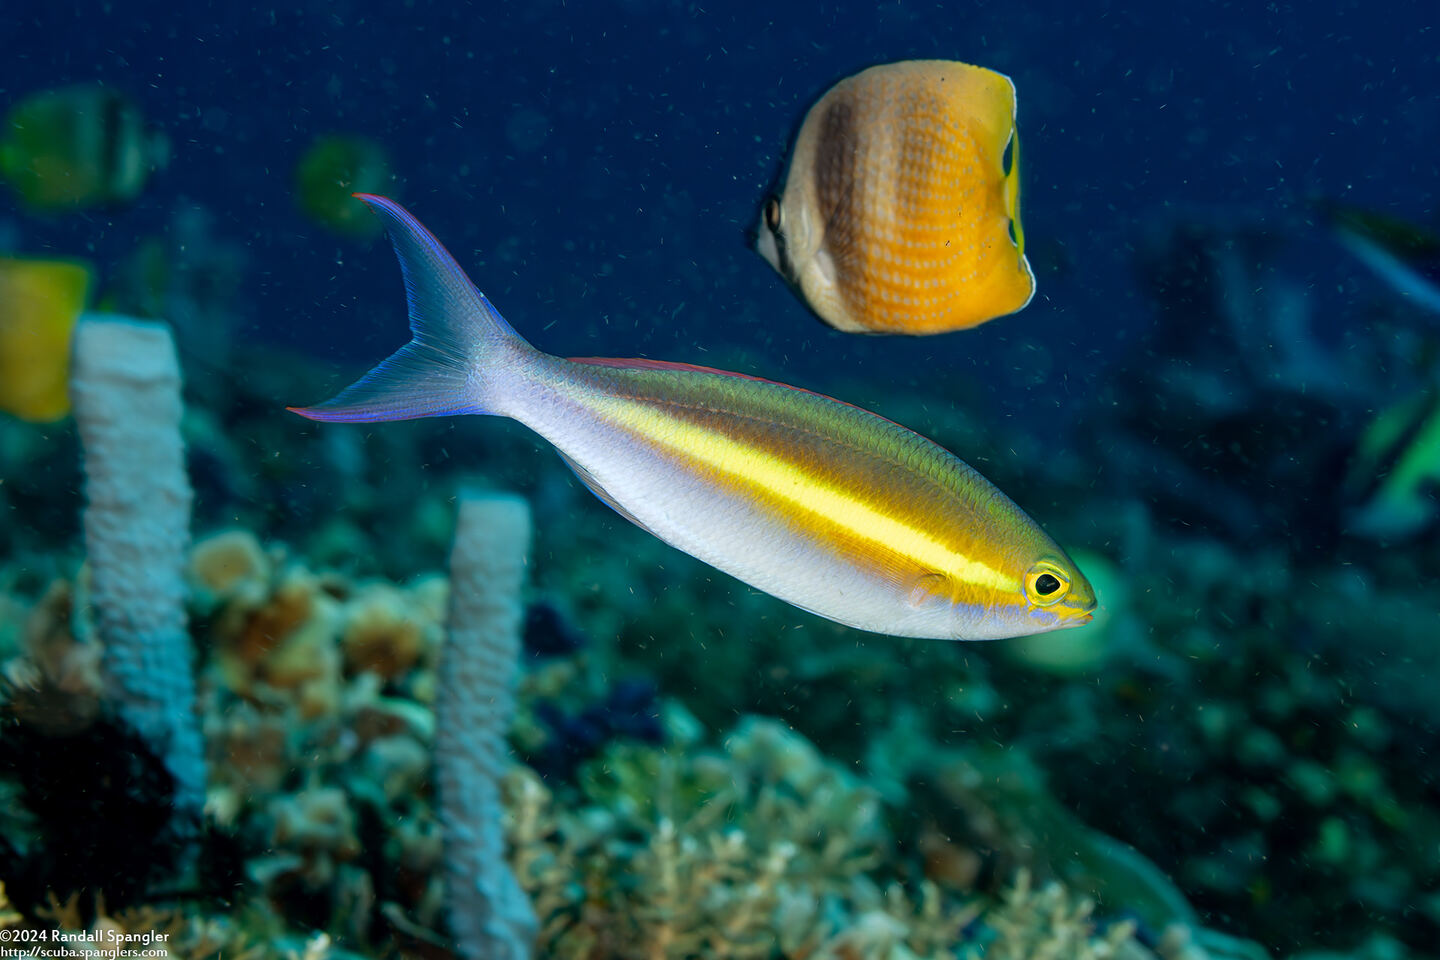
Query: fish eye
[772, 214]
[1046, 584]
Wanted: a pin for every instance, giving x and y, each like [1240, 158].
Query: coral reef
[1030, 924]
[752, 851]
[1216, 742]
[672, 843]
[54, 682]
[1260, 767]
[249, 934]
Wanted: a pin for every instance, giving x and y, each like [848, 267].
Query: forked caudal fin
[458, 340]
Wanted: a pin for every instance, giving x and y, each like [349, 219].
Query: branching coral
[764, 849]
[1048, 924]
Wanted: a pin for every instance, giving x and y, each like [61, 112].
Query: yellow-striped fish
[901, 206]
[824, 505]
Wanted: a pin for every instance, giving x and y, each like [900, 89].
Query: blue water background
[623, 232]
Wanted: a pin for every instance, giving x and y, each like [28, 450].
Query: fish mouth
[1078, 615]
[764, 244]
[1084, 605]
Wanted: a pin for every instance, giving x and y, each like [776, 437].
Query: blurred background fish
[1404, 255]
[1394, 475]
[333, 168]
[77, 147]
[40, 301]
[900, 211]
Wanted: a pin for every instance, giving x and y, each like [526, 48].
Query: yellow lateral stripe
[788, 483]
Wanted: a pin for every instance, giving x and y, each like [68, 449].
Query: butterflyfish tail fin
[460, 346]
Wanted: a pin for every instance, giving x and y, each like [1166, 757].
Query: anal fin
[588, 478]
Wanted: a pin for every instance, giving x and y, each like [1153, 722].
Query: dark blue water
[661, 124]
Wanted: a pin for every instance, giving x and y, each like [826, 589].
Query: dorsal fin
[644, 363]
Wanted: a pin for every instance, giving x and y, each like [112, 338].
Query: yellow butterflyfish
[900, 211]
[40, 300]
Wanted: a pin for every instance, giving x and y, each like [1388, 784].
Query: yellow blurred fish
[40, 301]
[901, 206]
[78, 146]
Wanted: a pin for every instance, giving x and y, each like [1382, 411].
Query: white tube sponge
[490, 916]
[125, 390]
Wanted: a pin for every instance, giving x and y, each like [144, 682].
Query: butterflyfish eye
[1045, 584]
[772, 214]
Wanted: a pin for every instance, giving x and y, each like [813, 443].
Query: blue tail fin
[459, 342]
